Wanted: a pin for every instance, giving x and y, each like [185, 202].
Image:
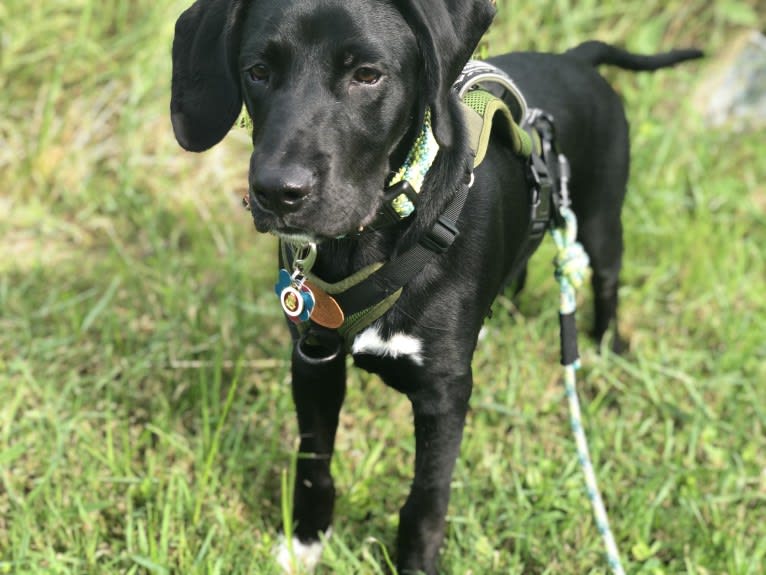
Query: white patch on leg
[398, 345]
[304, 557]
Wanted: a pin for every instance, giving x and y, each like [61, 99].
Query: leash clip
[305, 257]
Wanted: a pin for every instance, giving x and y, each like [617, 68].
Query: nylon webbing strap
[396, 273]
[544, 175]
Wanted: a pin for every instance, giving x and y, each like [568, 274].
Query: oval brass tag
[327, 312]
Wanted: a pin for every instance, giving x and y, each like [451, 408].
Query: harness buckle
[398, 202]
[541, 210]
[441, 235]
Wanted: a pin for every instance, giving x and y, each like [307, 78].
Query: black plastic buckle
[441, 236]
[545, 126]
[540, 218]
[542, 189]
[387, 215]
[537, 171]
[394, 192]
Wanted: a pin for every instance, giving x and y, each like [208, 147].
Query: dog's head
[335, 89]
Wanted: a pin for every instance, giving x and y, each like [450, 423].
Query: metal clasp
[305, 257]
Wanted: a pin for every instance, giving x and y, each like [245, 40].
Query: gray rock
[734, 94]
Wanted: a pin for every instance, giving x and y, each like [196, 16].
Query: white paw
[299, 558]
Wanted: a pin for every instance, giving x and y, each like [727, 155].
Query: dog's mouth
[315, 228]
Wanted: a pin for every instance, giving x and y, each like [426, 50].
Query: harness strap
[397, 272]
[547, 173]
[369, 293]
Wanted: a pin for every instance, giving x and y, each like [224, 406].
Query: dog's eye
[258, 73]
[365, 75]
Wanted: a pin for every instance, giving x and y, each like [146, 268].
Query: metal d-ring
[318, 354]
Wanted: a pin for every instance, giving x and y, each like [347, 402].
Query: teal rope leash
[571, 271]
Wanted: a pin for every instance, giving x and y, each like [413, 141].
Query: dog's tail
[596, 53]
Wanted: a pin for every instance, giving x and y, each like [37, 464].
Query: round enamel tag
[295, 297]
[292, 301]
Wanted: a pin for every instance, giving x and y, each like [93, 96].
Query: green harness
[483, 112]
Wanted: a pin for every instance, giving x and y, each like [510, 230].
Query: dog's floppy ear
[206, 96]
[448, 32]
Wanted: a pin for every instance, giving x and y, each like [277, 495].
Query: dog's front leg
[318, 393]
[439, 411]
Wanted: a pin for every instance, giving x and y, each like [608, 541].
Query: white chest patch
[303, 559]
[398, 345]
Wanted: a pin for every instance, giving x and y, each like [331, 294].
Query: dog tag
[327, 312]
[295, 297]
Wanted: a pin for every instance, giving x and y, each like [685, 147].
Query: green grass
[146, 423]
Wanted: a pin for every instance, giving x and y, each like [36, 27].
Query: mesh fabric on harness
[483, 111]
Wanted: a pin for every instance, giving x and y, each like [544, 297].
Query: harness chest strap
[369, 293]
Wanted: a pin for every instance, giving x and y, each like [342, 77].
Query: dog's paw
[619, 346]
[298, 558]
[611, 341]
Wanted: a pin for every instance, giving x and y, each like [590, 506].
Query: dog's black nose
[282, 191]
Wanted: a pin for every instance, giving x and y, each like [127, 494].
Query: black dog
[338, 91]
